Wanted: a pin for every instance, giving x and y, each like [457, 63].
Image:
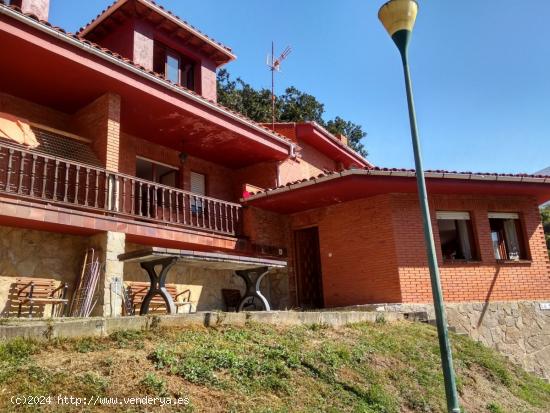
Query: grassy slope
[360, 368]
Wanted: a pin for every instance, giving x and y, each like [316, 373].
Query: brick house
[132, 151]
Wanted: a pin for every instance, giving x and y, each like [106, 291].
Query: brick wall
[271, 229]
[262, 175]
[311, 163]
[219, 179]
[35, 113]
[373, 251]
[357, 248]
[100, 122]
[484, 280]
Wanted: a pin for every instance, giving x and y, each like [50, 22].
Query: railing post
[87, 187]
[77, 183]
[8, 171]
[55, 180]
[123, 195]
[65, 194]
[96, 200]
[44, 177]
[132, 197]
[21, 172]
[33, 172]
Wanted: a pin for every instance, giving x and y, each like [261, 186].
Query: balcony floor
[27, 214]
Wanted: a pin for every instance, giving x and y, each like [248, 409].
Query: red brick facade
[486, 280]
[371, 249]
[100, 122]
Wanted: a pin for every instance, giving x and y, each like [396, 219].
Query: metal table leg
[158, 284]
[253, 279]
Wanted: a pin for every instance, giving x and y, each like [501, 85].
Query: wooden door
[308, 268]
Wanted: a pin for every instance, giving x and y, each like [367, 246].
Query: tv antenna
[274, 65]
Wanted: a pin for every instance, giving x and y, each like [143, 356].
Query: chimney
[342, 138]
[39, 8]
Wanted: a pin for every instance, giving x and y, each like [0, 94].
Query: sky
[481, 71]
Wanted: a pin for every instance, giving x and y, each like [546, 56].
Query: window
[456, 236]
[198, 186]
[153, 172]
[507, 237]
[156, 172]
[174, 66]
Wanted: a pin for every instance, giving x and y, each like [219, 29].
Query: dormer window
[176, 67]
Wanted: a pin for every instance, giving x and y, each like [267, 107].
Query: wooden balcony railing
[43, 178]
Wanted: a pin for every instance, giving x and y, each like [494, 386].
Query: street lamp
[398, 17]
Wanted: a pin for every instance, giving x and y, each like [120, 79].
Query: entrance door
[308, 268]
[153, 172]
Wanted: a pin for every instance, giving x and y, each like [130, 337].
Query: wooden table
[251, 269]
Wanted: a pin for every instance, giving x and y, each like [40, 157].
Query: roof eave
[401, 174]
[50, 30]
[357, 156]
[111, 9]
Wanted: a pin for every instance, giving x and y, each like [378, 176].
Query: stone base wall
[109, 245]
[38, 254]
[520, 330]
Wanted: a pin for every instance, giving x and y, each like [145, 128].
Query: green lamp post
[398, 17]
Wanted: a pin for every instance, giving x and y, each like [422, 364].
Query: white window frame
[453, 215]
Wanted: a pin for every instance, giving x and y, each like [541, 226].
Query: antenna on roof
[274, 65]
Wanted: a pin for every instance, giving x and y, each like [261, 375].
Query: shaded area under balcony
[64, 73]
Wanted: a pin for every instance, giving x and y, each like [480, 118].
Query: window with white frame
[198, 186]
[507, 236]
[456, 236]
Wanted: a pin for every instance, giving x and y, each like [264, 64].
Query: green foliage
[17, 351]
[154, 385]
[473, 352]
[366, 367]
[292, 106]
[353, 131]
[127, 338]
[494, 408]
[87, 344]
[297, 106]
[96, 381]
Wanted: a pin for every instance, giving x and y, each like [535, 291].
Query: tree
[297, 106]
[292, 106]
[545, 214]
[353, 131]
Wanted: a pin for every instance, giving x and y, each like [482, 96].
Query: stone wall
[520, 330]
[40, 254]
[109, 245]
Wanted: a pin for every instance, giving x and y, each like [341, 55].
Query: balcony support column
[109, 245]
[100, 122]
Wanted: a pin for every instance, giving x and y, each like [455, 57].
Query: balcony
[45, 179]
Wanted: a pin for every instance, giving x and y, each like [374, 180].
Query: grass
[370, 368]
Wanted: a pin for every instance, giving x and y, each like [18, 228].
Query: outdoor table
[251, 269]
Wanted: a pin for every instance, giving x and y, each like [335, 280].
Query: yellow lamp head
[398, 17]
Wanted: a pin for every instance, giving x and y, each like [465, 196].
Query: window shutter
[453, 215]
[504, 215]
[198, 183]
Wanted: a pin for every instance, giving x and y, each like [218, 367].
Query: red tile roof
[167, 82]
[182, 22]
[402, 172]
